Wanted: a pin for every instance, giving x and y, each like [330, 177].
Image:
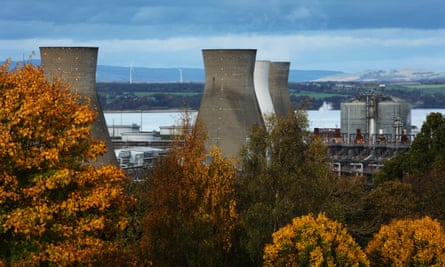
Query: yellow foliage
[310, 241]
[409, 242]
[55, 208]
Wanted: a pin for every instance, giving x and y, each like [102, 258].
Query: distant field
[314, 95]
[426, 88]
[141, 94]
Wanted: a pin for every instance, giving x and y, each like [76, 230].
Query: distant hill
[402, 75]
[141, 74]
[106, 73]
[310, 75]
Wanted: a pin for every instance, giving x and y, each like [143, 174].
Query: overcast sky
[344, 35]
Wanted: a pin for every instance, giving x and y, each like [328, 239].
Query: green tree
[191, 213]
[429, 189]
[55, 207]
[422, 167]
[310, 241]
[285, 173]
[427, 151]
[409, 242]
[371, 209]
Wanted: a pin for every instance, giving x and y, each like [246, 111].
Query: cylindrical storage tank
[77, 67]
[229, 107]
[261, 83]
[375, 115]
[279, 87]
[353, 117]
[394, 115]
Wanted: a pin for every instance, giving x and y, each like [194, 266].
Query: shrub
[418, 242]
[310, 241]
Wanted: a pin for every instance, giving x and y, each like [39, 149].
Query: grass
[141, 94]
[315, 95]
[426, 88]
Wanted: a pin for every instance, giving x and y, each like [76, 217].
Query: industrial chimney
[77, 67]
[229, 107]
[279, 87]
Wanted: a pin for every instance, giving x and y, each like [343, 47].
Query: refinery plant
[374, 128]
[239, 92]
[376, 115]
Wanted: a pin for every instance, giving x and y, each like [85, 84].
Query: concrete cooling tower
[229, 107]
[261, 83]
[279, 87]
[77, 67]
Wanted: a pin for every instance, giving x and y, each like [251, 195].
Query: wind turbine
[180, 75]
[131, 73]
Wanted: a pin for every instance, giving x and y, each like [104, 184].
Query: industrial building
[377, 116]
[77, 67]
[374, 128]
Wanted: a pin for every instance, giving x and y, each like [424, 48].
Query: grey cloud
[100, 19]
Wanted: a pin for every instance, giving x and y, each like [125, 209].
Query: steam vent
[229, 107]
[279, 87]
[77, 67]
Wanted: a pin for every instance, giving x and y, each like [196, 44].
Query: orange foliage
[192, 206]
[419, 242]
[55, 208]
[310, 241]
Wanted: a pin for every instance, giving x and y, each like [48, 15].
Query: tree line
[278, 204]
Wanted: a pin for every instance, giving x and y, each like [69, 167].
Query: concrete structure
[77, 66]
[229, 107]
[261, 83]
[279, 87]
[138, 157]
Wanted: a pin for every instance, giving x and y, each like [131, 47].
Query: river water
[152, 120]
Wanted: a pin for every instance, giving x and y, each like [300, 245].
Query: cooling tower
[279, 87]
[77, 67]
[229, 106]
[261, 83]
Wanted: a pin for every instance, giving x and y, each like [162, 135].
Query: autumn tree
[285, 173]
[191, 214]
[409, 242]
[310, 241]
[55, 207]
